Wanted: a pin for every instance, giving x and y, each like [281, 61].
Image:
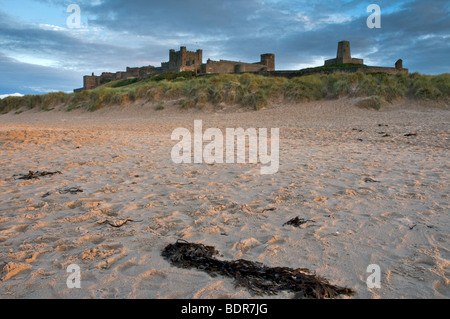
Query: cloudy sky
[40, 52]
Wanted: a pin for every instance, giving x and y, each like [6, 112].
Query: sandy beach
[370, 195]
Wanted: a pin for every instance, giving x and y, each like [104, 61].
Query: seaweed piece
[256, 277]
[410, 134]
[34, 175]
[46, 195]
[268, 209]
[297, 222]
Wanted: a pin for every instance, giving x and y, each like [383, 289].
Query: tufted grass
[249, 90]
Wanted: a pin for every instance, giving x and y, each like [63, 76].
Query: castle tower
[343, 51]
[268, 59]
[343, 55]
[90, 81]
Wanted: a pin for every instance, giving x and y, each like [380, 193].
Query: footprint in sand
[246, 244]
[12, 269]
[255, 247]
[442, 287]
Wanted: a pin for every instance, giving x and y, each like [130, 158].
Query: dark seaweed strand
[256, 277]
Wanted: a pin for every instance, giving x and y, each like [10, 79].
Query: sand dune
[371, 194]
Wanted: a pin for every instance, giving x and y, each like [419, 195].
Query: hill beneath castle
[216, 92]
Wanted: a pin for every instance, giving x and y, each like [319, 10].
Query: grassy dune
[246, 89]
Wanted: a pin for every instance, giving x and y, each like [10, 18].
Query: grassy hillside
[246, 90]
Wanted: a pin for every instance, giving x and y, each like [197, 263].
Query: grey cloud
[69, 52]
[416, 31]
[244, 29]
[165, 17]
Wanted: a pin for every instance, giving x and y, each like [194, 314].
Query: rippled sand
[371, 194]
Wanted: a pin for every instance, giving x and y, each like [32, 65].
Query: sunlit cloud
[2, 96]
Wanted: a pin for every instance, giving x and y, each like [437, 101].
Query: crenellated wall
[267, 63]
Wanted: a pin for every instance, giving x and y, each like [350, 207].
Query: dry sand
[120, 158]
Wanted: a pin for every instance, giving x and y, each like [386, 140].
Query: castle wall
[147, 71]
[107, 77]
[120, 75]
[133, 72]
[350, 69]
[224, 66]
[165, 66]
[343, 61]
[221, 66]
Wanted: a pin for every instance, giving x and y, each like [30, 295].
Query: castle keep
[183, 60]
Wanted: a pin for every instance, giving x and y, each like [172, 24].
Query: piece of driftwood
[71, 190]
[296, 221]
[118, 223]
[34, 175]
[268, 209]
[256, 277]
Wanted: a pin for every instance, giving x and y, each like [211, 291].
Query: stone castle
[180, 61]
[190, 61]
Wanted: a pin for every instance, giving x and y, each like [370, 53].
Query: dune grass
[248, 90]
